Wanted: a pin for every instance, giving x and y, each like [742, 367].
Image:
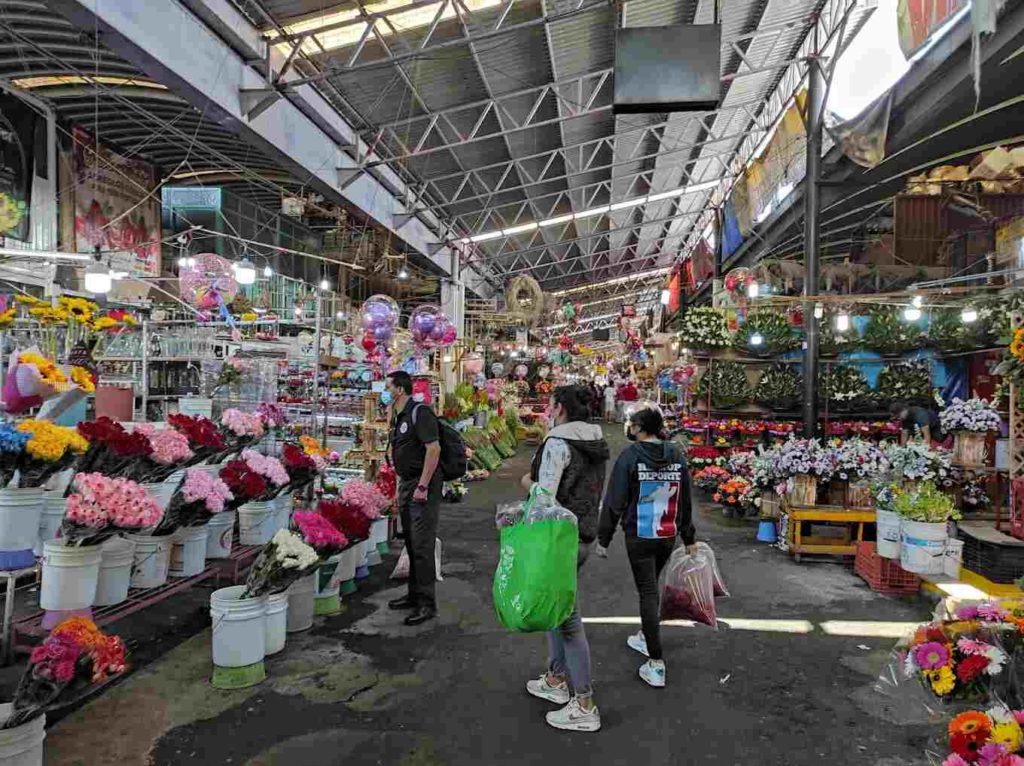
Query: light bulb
[245, 272]
[403, 274]
[190, 262]
[340, 315]
[665, 297]
[911, 313]
[685, 351]
[97, 278]
[298, 311]
[753, 289]
[842, 322]
[756, 339]
[968, 315]
[267, 271]
[819, 311]
[324, 284]
[182, 262]
[513, 354]
[917, 301]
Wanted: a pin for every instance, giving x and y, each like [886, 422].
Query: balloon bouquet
[431, 328]
[379, 319]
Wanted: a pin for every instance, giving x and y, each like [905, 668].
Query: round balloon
[209, 283]
[472, 363]
[422, 323]
[497, 369]
[521, 370]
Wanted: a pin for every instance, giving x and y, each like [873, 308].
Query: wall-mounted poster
[115, 206]
[17, 138]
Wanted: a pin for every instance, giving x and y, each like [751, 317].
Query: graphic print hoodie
[649, 495]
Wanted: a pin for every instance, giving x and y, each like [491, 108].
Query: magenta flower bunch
[319, 533]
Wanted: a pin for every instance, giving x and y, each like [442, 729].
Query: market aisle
[362, 689]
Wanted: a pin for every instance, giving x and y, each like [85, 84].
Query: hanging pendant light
[245, 272]
[98, 279]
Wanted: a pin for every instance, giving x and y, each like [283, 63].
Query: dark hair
[575, 399]
[897, 407]
[401, 379]
[649, 421]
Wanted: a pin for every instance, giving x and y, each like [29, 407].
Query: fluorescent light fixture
[917, 301]
[843, 322]
[819, 311]
[49, 254]
[464, 241]
[557, 220]
[31, 83]
[267, 271]
[245, 272]
[97, 278]
[621, 205]
[519, 229]
[487, 236]
[666, 296]
[968, 315]
[753, 290]
[659, 197]
[756, 339]
[911, 313]
[592, 212]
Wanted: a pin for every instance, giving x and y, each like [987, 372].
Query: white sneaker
[638, 642]
[653, 672]
[572, 717]
[541, 688]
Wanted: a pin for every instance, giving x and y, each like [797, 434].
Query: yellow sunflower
[1017, 345]
[78, 309]
[49, 372]
[82, 378]
[28, 300]
[7, 317]
[104, 323]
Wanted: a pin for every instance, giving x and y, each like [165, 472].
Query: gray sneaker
[558, 694]
[638, 642]
[573, 717]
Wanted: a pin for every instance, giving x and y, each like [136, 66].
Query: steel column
[812, 211]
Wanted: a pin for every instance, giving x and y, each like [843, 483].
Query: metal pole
[144, 356]
[316, 362]
[812, 205]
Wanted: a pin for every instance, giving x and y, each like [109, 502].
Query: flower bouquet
[709, 478]
[888, 333]
[778, 388]
[831, 342]
[386, 481]
[319, 533]
[846, 389]
[764, 469]
[736, 492]
[916, 462]
[31, 379]
[705, 328]
[204, 438]
[802, 463]
[365, 495]
[241, 429]
[112, 449]
[947, 331]
[12, 446]
[858, 459]
[285, 559]
[169, 452]
[100, 507]
[702, 457]
[302, 469]
[348, 518]
[246, 484]
[781, 428]
[726, 382]
[975, 415]
[952, 661]
[986, 738]
[271, 415]
[906, 381]
[741, 462]
[72, 659]
[49, 450]
[776, 334]
[194, 502]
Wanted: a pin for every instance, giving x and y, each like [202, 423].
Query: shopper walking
[571, 465]
[609, 402]
[649, 496]
[415, 452]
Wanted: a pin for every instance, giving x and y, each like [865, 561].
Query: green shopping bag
[535, 582]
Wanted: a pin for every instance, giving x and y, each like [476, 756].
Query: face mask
[385, 397]
[631, 436]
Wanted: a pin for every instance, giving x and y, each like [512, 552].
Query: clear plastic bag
[716, 576]
[688, 589]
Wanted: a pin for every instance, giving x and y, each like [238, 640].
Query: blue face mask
[385, 397]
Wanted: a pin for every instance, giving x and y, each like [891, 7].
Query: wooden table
[854, 520]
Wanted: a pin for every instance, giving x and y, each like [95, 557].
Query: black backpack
[453, 462]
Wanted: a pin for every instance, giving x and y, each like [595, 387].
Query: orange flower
[971, 723]
[1017, 345]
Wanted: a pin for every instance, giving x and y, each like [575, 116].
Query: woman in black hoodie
[649, 495]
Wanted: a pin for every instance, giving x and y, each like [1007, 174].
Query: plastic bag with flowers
[71, 660]
[302, 468]
[31, 379]
[246, 484]
[49, 450]
[952, 662]
[348, 518]
[169, 452]
[241, 429]
[99, 507]
[270, 468]
[986, 738]
[112, 449]
[198, 498]
[285, 559]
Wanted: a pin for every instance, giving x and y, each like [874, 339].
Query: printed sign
[658, 505]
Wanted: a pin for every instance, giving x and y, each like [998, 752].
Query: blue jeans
[568, 647]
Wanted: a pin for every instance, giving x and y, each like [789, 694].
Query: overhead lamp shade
[245, 272]
[98, 278]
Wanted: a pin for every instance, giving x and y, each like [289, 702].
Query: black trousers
[647, 558]
[419, 522]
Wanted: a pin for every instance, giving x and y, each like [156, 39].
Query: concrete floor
[361, 688]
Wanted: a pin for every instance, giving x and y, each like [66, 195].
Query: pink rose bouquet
[319, 533]
[195, 501]
[99, 507]
[366, 496]
[241, 428]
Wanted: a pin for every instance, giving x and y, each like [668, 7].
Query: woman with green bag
[571, 465]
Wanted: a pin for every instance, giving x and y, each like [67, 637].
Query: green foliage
[727, 383]
[925, 503]
[908, 381]
[844, 388]
[779, 387]
[778, 336]
[889, 333]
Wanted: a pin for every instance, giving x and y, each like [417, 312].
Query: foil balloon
[540, 354]
[380, 312]
[521, 371]
[210, 284]
[473, 363]
[422, 326]
[497, 369]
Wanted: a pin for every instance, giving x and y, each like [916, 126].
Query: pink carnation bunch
[241, 423]
[101, 506]
[199, 485]
[268, 467]
[170, 447]
[366, 496]
[318, 533]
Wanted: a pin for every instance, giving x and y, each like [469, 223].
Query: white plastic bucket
[257, 522]
[284, 510]
[888, 534]
[54, 505]
[188, 551]
[161, 492]
[276, 622]
[196, 405]
[362, 559]
[300, 603]
[152, 560]
[115, 571]
[349, 561]
[923, 547]
[953, 557]
[239, 637]
[22, 745]
[20, 514]
[221, 535]
[70, 576]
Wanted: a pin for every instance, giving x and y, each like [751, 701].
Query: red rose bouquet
[245, 484]
[347, 517]
[204, 438]
[302, 468]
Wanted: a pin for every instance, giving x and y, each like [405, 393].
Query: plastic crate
[884, 575]
[996, 563]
